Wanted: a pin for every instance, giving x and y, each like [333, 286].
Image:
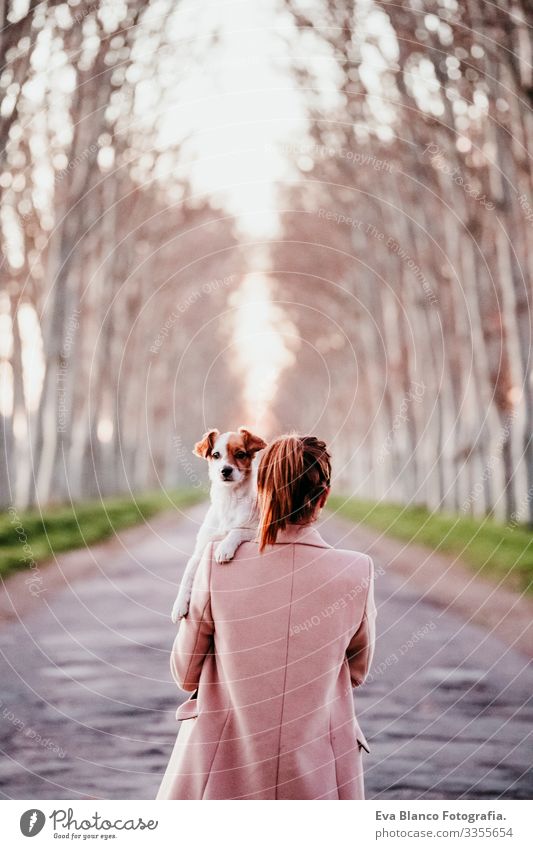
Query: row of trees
[406, 261]
[403, 272]
[112, 272]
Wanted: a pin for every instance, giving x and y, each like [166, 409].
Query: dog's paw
[225, 551]
[181, 607]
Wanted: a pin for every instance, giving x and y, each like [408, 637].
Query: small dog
[233, 513]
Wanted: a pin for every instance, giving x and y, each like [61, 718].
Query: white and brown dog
[233, 514]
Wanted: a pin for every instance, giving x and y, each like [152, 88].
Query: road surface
[87, 704]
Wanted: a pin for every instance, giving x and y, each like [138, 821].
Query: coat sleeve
[360, 650]
[194, 639]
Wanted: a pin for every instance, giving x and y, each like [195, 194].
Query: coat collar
[301, 534]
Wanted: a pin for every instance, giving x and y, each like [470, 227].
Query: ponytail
[293, 474]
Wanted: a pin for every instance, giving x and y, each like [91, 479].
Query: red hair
[294, 472]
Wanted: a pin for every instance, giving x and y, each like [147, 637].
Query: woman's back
[292, 607]
[275, 712]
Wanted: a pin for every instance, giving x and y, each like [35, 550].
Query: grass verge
[30, 536]
[495, 550]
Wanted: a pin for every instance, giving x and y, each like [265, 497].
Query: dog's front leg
[181, 605]
[225, 550]
[206, 534]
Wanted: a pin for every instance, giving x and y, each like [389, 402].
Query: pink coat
[274, 642]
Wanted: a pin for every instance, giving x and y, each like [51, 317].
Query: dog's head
[230, 455]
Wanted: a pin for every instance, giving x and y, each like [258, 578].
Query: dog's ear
[252, 443]
[205, 446]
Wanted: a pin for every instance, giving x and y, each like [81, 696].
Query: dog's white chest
[240, 515]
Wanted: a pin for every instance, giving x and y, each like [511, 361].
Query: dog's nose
[226, 472]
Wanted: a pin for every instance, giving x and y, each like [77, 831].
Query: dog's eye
[216, 455]
[240, 455]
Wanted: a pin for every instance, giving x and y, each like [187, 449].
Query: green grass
[495, 550]
[27, 537]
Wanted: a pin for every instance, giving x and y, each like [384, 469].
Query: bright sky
[233, 107]
[261, 334]
[242, 108]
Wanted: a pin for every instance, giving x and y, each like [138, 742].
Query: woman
[274, 642]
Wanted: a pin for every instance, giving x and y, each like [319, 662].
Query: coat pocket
[361, 739]
[189, 709]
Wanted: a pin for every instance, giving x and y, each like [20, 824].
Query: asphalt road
[87, 704]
